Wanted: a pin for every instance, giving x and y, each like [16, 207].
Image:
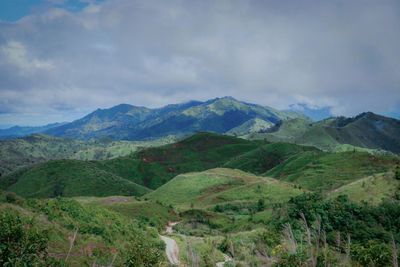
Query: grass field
[218, 186]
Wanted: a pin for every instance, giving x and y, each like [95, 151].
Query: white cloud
[343, 54]
[16, 54]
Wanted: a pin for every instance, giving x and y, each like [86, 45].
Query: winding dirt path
[171, 247]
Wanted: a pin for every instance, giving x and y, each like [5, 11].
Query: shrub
[372, 253]
[11, 197]
[22, 243]
[143, 252]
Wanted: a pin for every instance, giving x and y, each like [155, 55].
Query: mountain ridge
[127, 122]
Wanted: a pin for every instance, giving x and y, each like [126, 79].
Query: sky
[60, 60]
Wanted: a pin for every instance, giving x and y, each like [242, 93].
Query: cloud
[341, 54]
[15, 54]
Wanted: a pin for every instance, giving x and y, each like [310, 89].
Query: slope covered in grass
[68, 178]
[322, 171]
[372, 189]
[153, 167]
[216, 186]
[154, 213]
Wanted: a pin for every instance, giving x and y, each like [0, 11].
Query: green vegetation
[217, 186]
[153, 167]
[372, 189]
[359, 230]
[68, 178]
[22, 242]
[369, 131]
[321, 171]
[153, 213]
[250, 203]
[17, 153]
[67, 232]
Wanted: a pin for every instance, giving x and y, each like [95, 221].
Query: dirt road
[171, 247]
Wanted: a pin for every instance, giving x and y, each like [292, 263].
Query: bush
[21, 242]
[143, 252]
[11, 197]
[372, 253]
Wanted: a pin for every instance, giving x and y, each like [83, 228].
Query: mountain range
[128, 122]
[229, 116]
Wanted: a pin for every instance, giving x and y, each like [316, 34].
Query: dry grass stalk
[395, 262]
[311, 251]
[290, 239]
[71, 243]
[348, 246]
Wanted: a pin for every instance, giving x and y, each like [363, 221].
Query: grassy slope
[68, 178]
[146, 211]
[371, 189]
[208, 188]
[316, 170]
[155, 166]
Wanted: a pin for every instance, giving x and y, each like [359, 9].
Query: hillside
[128, 122]
[367, 130]
[40, 231]
[372, 189]
[68, 178]
[221, 186]
[322, 171]
[25, 151]
[153, 167]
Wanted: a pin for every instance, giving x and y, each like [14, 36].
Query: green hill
[153, 167]
[322, 171]
[367, 130]
[217, 186]
[372, 189]
[266, 157]
[68, 178]
[17, 153]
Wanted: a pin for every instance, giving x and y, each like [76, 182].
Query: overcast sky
[62, 59]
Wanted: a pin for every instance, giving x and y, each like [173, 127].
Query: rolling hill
[128, 122]
[323, 171]
[221, 186]
[367, 130]
[29, 150]
[154, 166]
[68, 178]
